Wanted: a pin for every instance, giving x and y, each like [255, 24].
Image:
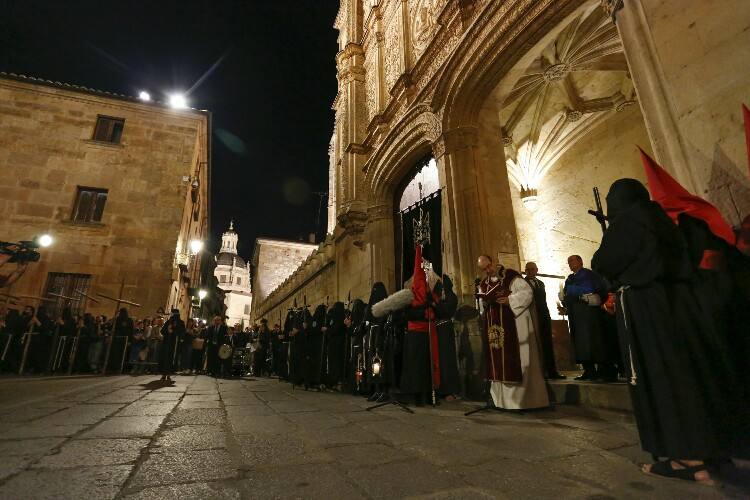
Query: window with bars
[222, 278]
[239, 281]
[247, 309]
[108, 129]
[62, 289]
[89, 205]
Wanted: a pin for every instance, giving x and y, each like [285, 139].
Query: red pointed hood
[419, 280]
[675, 199]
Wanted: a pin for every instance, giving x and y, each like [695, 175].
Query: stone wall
[46, 153]
[273, 262]
[313, 282]
[689, 59]
[560, 225]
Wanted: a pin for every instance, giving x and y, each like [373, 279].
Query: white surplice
[532, 391]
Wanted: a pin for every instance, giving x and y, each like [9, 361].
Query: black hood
[377, 293]
[336, 314]
[319, 317]
[623, 195]
[358, 311]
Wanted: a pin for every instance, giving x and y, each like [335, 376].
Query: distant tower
[229, 240]
[233, 275]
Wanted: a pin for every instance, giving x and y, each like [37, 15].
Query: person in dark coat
[334, 331]
[354, 321]
[262, 352]
[214, 335]
[644, 257]
[315, 348]
[445, 310]
[544, 322]
[594, 344]
[298, 352]
[172, 330]
[373, 343]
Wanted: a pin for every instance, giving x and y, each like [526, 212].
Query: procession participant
[643, 254]
[544, 322]
[277, 345]
[335, 345]
[214, 336]
[594, 344]
[287, 345]
[41, 343]
[389, 361]
[372, 340]
[514, 362]
[445, 309]
[420, 371]
[301, 323]
[172, 330]
[314, 348]
[354, 322]
[198, 344]
[263, 346]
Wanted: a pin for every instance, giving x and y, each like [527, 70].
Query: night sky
[270, 93]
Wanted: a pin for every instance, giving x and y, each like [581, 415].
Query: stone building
[121, 184]
[519, 108]
[273, 262]
[233, 275]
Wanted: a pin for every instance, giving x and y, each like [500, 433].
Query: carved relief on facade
[424, 23]
[393, 49]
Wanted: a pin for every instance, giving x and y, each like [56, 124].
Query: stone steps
[592, 394]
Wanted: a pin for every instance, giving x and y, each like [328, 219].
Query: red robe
[420, 289]
[502, 349]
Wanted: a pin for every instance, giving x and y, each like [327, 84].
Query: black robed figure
[314, 348]
[173, 329]
[355, 326]
[373, 336]
[644, 257]
[450, 382]
[335, 345]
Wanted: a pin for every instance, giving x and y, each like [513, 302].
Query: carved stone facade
[545, 95]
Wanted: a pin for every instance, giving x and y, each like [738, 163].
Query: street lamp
[202, 294]
[196, 246]
[45, 240]
[144, 96]
[178, 101]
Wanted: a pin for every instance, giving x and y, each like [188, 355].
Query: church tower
[233, 275]
[229, 240]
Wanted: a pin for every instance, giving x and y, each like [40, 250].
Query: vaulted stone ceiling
[578, 80]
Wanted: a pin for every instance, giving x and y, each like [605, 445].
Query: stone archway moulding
[412, 137]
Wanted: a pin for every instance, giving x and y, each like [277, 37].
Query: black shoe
[585, 376]
[557, 376]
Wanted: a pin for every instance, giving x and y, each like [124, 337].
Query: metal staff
[599, 212]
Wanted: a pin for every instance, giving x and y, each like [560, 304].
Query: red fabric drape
[420, 289]
[675, 199]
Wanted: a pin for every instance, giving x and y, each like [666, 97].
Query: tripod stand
[391, 401]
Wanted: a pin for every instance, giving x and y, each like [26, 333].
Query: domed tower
[233, 275]
[229, 240]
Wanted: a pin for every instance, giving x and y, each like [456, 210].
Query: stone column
[478, 212]
[688, 61]
[658, 113]
[381, 248]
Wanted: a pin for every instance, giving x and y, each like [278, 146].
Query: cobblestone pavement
[129, 438]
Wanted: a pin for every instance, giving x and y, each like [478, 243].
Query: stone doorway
[418, 196]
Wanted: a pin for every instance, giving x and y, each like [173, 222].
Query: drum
[225, 351]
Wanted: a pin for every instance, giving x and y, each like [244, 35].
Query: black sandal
[664, 469]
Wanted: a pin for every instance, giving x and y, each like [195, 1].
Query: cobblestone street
[122, 437]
